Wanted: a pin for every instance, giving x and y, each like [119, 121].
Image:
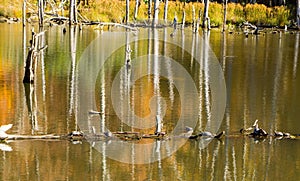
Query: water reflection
[262, 83]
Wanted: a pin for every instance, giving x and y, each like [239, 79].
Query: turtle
[278, 134]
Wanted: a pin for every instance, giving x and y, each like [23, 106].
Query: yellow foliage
[114, 11]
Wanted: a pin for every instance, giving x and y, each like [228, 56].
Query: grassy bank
[114, 11]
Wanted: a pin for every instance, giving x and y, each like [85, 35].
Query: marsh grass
[114, 11]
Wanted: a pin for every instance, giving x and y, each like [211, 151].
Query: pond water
[76, 74]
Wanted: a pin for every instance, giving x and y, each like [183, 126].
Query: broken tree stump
[31, 59]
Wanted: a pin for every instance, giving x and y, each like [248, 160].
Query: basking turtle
[208, 134]
[278, 134]
[258, 131]
[108, 134]
[289, 136]
[75, 135]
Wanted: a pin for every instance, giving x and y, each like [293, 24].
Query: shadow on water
[261, 83]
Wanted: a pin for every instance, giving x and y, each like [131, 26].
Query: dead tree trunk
[166, 11]
[206, 20]
[156, 11]
[149, 9]
[225, 14]
[31, 59]
[127, 12]
[136, 9]
[183, 19]
[298, 14]
[24, 13]
[72, 12]
[41, 12]
[194, 18]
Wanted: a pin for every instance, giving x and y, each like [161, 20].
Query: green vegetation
[114, 11]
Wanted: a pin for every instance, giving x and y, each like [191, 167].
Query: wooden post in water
[24, 13]
[127, 12]
[225, 14]
[41, 12]
[156, 11]
[166, 11]
[136, 9]
[298, 14]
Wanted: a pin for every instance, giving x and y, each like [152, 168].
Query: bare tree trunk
[127, 12]
[31, 60]
[156, 11]
[41, 12]
[72, 13]
[31, 57]
[149, 9]
[136, 9]
[194, 18]
[225, 14]
[24, 13]
[166, 10]
[298, 14]
[183, 19]
[206, 21]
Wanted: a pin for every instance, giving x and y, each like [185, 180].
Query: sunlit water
[262, 82]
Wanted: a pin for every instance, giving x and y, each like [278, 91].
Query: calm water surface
[262, 82]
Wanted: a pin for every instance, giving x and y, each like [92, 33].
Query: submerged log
[132, 136]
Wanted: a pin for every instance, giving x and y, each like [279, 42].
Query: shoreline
[101, 11]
